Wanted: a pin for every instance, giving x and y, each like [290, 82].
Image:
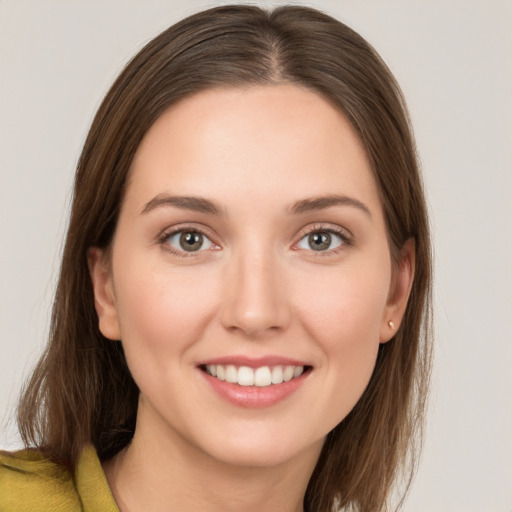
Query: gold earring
[391, 324]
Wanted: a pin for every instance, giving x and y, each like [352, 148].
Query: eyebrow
[321, 202]
[197, 204]
[202, 205]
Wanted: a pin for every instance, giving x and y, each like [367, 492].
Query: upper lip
[254, 362]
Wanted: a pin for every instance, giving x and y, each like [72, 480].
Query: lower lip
[254, 396]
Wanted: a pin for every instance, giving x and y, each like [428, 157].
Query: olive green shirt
[31, 483]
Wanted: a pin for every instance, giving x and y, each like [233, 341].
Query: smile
[262, 376]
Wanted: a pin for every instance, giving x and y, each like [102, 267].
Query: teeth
[231, 374]
[288, 373]
[260, 377]
[245, 376]
[277, 375]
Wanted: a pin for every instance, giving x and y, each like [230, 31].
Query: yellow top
[31, 483]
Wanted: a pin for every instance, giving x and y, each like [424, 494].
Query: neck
[166, 473]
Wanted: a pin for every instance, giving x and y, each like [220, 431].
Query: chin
[257, 451]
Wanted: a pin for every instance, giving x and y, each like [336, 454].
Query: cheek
[349, 301]
[162, 311]
[344, 317]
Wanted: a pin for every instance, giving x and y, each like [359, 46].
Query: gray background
[453, 60]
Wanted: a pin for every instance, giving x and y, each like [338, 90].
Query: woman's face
[251, 246]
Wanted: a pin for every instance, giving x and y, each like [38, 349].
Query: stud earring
[391, 324]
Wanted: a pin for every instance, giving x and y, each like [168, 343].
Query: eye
[189, 241]
[321, 241]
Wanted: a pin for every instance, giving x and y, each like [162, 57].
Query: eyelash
[345, 237]
[167, 234]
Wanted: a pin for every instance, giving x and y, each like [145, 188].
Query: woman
[241, 320]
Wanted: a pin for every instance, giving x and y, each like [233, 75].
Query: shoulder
[29, 482]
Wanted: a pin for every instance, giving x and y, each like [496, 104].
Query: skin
[257, 289]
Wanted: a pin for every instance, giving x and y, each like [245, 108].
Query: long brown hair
[81, 390]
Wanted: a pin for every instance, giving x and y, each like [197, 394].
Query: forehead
[252, 142]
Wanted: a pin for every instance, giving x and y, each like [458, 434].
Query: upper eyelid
[172, 230]
[332, 228]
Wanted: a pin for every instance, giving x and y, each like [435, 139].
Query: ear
[401, 285]
[104, 298]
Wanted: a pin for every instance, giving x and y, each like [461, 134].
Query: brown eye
[189, 241]
[321, 241]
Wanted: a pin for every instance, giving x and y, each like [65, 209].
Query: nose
[256, 303]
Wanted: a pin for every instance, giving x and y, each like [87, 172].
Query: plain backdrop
[453, 60]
